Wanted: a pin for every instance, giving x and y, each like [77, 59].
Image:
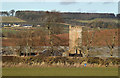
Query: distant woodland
[93, 20]
[102, 20]
[36, 15]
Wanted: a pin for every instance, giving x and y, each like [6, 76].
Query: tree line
[69, 17]
[64, 15]
[7, 13]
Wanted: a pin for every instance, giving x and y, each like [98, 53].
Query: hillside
[98, 22]
[102, 20]
[38, 15]
[98, 19]
[11, 19]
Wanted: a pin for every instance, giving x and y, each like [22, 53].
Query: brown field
[99, 39]
[102, 36]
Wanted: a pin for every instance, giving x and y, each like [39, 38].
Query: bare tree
[43, 37]
[52, 21]
[112, 43]
[12, 12]
[28, 39]
[87, 41]
[4, 13]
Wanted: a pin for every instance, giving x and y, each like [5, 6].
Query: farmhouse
[6, 25]
[29, 26]
[16, 25]
[11, 21]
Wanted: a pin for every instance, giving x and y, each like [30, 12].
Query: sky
[90, 7]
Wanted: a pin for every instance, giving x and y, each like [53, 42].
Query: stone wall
[75, 37]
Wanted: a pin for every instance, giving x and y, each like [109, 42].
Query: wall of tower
[75, 37]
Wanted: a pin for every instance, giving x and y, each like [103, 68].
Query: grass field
[99, 19]
[57, 71]
[11, 19]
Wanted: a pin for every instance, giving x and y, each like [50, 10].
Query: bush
[64, 60]
[113, 60]
[11, 59]
[95, 60]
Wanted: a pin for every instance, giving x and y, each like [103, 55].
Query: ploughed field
[99, 39]
[60, 71]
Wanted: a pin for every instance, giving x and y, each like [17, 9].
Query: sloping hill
[11, 19]
[108, 20]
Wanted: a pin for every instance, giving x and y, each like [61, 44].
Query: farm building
[75, 38]
[11, 21]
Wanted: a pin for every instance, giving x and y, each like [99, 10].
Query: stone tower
[75, 39]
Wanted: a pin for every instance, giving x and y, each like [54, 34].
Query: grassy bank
[57, 71]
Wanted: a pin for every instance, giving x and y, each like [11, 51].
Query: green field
[11, 19]
[98, 19]
[57, 71]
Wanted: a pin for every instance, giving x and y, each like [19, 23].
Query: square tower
[75, 39]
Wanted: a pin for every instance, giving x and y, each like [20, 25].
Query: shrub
[113, 60]
[95, 60]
